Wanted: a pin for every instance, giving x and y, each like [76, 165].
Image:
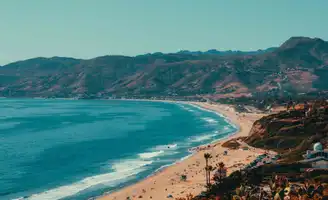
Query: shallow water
[68, 149]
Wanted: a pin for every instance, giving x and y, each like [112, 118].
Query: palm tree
[208, 170]
[221, 168]
[207, 156]
[221, 165]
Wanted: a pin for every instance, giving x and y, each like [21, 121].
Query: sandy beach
[167, 181]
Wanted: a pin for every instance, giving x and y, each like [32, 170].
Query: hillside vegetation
[298, 66]
[291, 132]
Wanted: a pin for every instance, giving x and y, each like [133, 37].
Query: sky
[87, 29]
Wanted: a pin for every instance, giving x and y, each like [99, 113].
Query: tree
[221, 165]
[207, 156]
[208, 170]
[222, 172]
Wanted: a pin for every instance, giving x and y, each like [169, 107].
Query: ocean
[77, 149]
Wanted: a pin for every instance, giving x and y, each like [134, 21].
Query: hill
[299, 66]
[291, 133]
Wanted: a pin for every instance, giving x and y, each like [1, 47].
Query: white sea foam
[148, 155]
[209, 120]
[217, 113]
[201, 138]
[168, 165]
[166, 147]
[161, 168]
[186, 108]
[130, 165]
[122, 171]
[184, 158]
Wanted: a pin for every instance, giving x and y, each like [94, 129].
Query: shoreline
[165, 181]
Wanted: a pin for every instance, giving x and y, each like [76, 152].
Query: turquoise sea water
[69, 149]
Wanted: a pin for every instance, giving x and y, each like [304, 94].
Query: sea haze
[74, 149]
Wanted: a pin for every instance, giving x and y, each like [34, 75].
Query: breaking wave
[121, 172]
[201, 138]
[209, 120]
[150, 154]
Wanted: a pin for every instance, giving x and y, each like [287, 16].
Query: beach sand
[167, 181]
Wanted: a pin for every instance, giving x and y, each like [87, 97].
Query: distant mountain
[300, 65]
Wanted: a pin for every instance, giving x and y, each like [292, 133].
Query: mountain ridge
[227, 52]
[298, 66]
[208, 52]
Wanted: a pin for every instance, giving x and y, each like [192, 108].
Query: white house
[318, 157]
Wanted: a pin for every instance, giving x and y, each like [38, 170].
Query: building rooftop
[317, 147]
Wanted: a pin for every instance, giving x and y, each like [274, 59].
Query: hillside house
[318, 157]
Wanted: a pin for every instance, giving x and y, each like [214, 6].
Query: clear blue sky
[86, 29]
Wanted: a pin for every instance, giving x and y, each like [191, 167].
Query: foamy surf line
[173, 163]
[190, 103]
[200, 138]
[225, 118]
[149, 155]
[199, 108]
[122, 172]
[215, 112]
